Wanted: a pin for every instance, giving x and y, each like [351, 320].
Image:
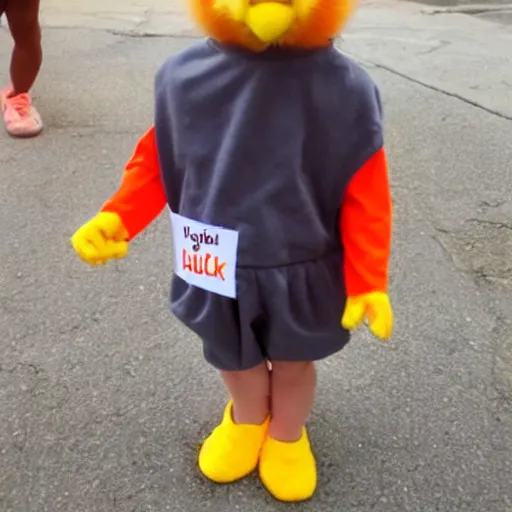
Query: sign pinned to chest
[205, 255]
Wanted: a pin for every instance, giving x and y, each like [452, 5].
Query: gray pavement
[104, 396]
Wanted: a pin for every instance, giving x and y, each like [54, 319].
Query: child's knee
[291, 371]
[27, 35]
[248, 376]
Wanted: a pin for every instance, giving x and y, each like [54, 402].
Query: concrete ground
[104, 397]
[498, 11]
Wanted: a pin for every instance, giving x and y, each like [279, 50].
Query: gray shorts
[288, 313]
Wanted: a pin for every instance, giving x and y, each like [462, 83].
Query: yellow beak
[269, 21]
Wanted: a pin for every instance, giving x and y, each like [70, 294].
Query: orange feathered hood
[257, 24]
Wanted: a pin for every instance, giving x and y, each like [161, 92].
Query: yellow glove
[102, 238]
[373, 307]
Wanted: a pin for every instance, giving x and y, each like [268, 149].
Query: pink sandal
[21, 119]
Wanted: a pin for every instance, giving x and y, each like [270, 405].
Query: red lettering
[219, 268]
[207, 271]
[198, 264]
[207, 264]
[187, 261]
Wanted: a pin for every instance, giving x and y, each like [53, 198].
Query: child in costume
[21, 119]
[267, 147]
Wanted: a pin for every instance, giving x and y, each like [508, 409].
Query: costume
[271, 160]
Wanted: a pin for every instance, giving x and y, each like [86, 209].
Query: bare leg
[250, 392]
[23, 19]
[21, 119]
[287, 466]
[232, 450]
[293, 392]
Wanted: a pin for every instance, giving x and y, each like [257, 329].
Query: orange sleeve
[140, 197]
[365, 225]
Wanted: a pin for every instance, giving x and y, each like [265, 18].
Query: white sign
[205, 255]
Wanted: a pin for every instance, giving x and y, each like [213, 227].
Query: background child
[21, 119]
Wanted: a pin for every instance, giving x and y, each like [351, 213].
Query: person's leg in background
[20, 117]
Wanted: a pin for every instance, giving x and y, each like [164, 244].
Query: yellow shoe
[288, 470]
[231, 451]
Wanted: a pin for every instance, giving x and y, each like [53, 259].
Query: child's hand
[102, 238]
[374, 307]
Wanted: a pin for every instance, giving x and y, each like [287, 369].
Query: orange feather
[323, 22]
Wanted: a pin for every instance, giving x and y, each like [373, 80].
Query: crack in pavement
[468, 9]
[141, 35]
[34, 368]
[434, 88]
[483, 222]
[487, 275]
[136, 34]
[440, 46]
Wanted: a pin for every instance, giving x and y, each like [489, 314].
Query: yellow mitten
[102, 238]
[373, 307]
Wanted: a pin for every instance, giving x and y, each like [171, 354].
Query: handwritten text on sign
[205, 255]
